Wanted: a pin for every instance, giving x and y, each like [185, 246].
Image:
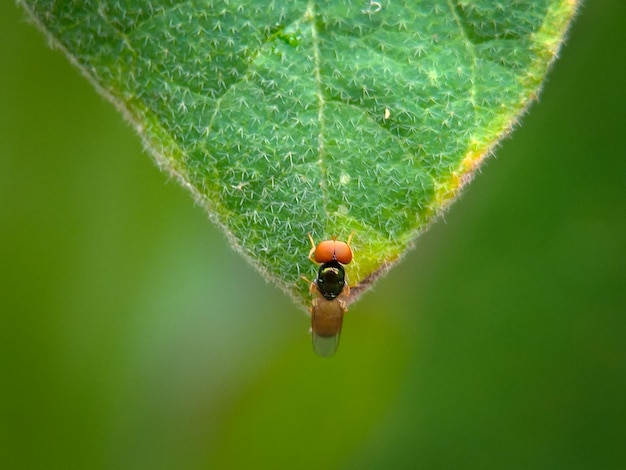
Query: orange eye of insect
[329, 250]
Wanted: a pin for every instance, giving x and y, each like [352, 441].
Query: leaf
[330, 117]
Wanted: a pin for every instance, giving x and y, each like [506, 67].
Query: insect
[330, 292]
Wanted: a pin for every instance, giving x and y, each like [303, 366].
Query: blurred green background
[132, 336]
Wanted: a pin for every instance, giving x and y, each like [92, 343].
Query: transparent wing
[325, 346]
[326, 322]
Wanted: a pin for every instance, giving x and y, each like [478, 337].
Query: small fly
[330, 292]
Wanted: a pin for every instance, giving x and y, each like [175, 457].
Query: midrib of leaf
[310, 16]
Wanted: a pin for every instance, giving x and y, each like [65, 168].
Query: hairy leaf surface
[285, 118]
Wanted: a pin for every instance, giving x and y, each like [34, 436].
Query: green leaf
[285, 118]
